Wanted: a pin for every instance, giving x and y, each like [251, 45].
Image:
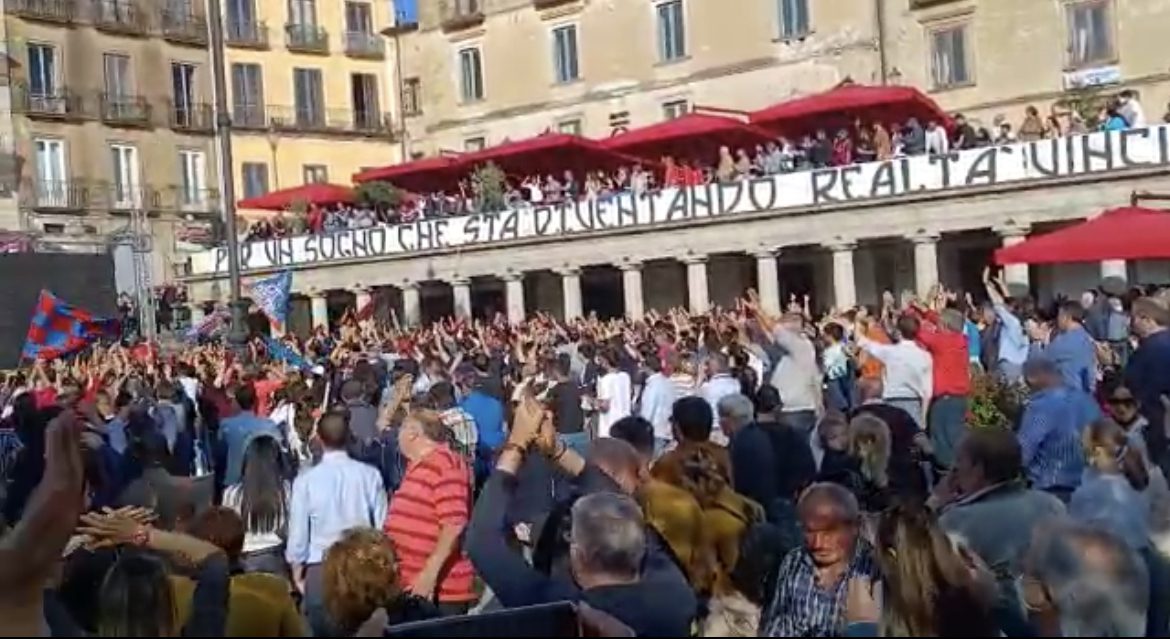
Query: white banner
[1023, 162]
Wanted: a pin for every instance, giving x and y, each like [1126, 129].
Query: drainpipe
[879, 12]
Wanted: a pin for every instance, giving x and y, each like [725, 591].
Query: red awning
[319, 194]
[551, 153]
[1130, 233]
[691, 135]
[839, 107]
[439, 173]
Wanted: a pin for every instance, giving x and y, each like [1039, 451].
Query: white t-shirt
[255, 541]
[613, 387]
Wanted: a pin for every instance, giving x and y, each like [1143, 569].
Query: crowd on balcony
[824, 148]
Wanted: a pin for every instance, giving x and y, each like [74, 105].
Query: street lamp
[237, 308]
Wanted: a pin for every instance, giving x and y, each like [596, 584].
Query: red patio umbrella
[838, 107]
[321, 194]
[550, 153]
[691, 135]
[1129, 233]
[437, 173]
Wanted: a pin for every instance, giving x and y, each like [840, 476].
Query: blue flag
[271, 295]
[58, 328]
[281, 351]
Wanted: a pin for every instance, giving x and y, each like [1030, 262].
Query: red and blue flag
[58, 328]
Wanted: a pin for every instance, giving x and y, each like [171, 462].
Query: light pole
[237, 332]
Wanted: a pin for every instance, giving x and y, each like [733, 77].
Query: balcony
[56, 196]
[119, 16]
[249, 117]
[125, 110]
[191, 117]
[335, 122]
[189, 200]
[541, 5]
[53, 104]
[923, 4]
[306, 38]
[184, 27]
[122, 199]
[365, 45]
[56, 11]
[247, 35]
[459, 15]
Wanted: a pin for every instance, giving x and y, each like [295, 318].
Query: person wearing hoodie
[913, 138]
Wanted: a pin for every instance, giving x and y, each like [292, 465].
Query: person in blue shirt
[1012, 344]
[237, 431]
[1072, 349]
[488, 413]
[1051, 427]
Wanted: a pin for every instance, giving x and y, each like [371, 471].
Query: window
[255, 176]
[315, 173]
[470, 74]
[183, 90]
[302, 12]
[51, 172]
[241, 19]
[466, 7]
[1090, 33]
[672, 39]
[358, 18]
[309, 97]
[793, 19]
[42, 71]
[412, 96]
[565, 54]
[192, 173]
[674, 109]
[572, 127]
[474, 144]
[949, 57]
[247, 94]
[117, 75]
[124, 162]
[364, 96]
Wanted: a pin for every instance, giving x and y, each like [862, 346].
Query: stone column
[319, 308]
[361, 297]
[844, 280]
[925, 262]
[411, 306]
[1016, 275]
[1115, 268]
[571, 292]
[461, 292]
[632, 289]
[514, 293]
[768, 282]
[698, 298]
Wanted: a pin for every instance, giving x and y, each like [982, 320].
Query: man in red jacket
[942, 335]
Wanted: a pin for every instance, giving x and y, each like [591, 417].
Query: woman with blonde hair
[361, 577]
[930, 586]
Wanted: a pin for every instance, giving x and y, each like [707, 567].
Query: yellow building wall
[287, 153]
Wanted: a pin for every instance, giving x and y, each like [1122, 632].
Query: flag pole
[237, 335]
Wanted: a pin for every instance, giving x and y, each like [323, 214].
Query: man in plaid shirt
[464, 434]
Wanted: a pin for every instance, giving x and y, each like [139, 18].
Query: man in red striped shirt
[428, 513]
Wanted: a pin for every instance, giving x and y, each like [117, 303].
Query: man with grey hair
[608, 540]
[1081, 581]
[754, 471]
[813, 580]
[719, 384]
[615, 561]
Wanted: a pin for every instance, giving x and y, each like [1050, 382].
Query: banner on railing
[1095, 153]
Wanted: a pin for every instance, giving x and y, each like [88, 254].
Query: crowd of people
[736, 473]
[862, 142]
